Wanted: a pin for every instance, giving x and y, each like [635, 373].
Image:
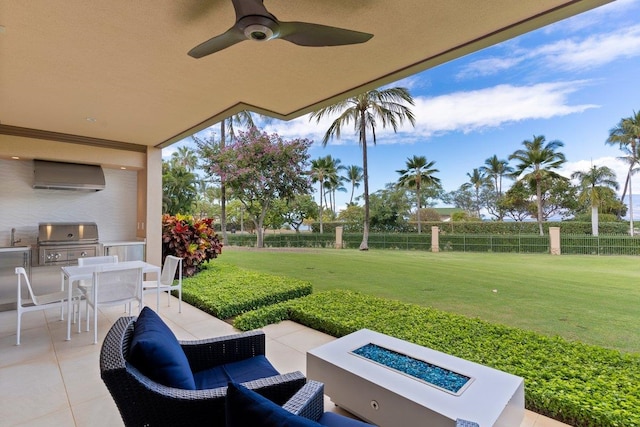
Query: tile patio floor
[48, 381]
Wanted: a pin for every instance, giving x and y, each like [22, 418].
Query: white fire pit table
[391, 382]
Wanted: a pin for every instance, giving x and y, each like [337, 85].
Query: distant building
[446, 213]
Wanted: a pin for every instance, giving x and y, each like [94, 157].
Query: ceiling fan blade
[254, 22]
[306, 34]
[249, 8]
[216, 44]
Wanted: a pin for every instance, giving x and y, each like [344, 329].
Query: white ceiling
[117, 72]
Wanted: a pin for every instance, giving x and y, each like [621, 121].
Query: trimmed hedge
[492, 227]
[286, 240]
[575, 383]
[225, 290]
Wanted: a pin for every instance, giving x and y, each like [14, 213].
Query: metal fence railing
[600, 245]
[522, 243]
[519, 243]
[285, 240]
[403, 241]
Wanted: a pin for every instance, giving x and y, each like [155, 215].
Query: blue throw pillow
[156, 352]
[246, 408]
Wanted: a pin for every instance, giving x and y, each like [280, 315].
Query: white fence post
[554, 240]
[339, 237]
[435, 239]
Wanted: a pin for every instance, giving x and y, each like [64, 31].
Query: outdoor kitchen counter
[15, 249]
[10, 258]
[122, 242]
[126, 250]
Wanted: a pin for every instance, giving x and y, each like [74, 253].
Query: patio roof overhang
[117, 74]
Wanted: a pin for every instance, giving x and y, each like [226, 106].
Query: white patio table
[74, 273]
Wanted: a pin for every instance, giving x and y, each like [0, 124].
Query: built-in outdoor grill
[62, 243]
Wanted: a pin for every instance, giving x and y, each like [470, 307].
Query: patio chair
[246, 407]
[141, 392]
[167, 281]
[40, 302]
[96, 260]
[112, 287]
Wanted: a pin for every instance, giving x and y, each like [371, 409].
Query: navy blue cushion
[246, 408]
[329, 419]
[211, 378]
[156, 352]
[238, 372]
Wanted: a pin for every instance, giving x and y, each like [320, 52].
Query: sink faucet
[13, 237]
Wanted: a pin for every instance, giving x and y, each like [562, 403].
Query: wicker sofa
[144, 402]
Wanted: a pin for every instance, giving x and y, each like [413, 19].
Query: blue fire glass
[427, 372]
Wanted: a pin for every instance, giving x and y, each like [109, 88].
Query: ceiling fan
[254, 22]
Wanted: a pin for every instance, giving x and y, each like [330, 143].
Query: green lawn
[591, 299]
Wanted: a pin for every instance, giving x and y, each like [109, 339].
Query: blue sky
[571, 81]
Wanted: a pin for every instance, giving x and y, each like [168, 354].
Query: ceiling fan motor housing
[259, 28]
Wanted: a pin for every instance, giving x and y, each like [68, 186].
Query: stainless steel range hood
[67, 176]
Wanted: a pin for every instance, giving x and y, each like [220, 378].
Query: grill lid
[67, 232]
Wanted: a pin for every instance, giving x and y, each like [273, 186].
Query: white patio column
[339, 237]
[151, 226]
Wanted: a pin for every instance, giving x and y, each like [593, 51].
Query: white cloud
[618, 166]
[457, 112]
[571, 54]
[608, 12]
[489, 66]
[495, 106]
[594, 51]
[168, 152]
[411, 83]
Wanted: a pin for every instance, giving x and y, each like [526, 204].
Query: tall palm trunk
[627, 184]
[419, 205]
[321, 197]
[633, 150]
[333, 201]
[223, 193]
[630, 207]
[364, 246]
[327, 203]
[624, 191]
[539, 202]
[594, 220]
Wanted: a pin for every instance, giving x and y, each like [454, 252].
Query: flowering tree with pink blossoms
[259, 168]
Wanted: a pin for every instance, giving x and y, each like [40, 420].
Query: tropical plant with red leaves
[193, 240]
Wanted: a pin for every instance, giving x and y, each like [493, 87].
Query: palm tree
[627, 135]
[185, 157]
[333, 181]
[418, 172]
[354, 176]
[365, 110]
[633, 160]
[179, 188]
[495, 169]
[539, 159]
[320, 169]
[593, 183]
[477, 180]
